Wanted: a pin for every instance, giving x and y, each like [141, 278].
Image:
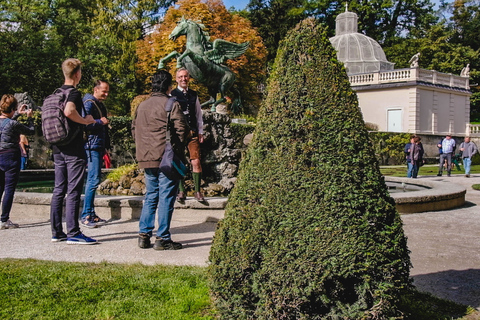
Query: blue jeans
[161, 194]
[9, 172]
[23, 163]
[467, 162]
[415, 168]
[69, 176]
[94, 175]
[410, 168]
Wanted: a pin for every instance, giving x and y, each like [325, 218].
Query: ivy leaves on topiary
[310, 231]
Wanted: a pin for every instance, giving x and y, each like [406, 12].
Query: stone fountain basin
[430, 196]
[422, 196]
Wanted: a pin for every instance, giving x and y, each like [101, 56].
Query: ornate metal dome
[359, 53]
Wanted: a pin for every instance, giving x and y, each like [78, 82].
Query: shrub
[310, 231]
[389, 146]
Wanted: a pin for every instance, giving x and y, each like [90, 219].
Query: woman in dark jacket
[10, 131]
[416, 155]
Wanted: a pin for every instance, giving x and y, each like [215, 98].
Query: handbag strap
[168, 108]
[98, 108]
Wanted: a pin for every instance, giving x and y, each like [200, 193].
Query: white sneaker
[8, 225]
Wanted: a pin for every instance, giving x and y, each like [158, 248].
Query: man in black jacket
[192, 110]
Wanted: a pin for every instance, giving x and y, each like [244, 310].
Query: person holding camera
[10, 131]
[97, 144]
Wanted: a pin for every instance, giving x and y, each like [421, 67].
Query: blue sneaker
[59, 238]
[81, 239]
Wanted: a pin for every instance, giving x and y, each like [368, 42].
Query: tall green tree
[273, 19]
[37, 35]
[29, 47]
[383, 20]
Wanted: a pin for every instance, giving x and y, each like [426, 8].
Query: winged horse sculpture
[204, 59]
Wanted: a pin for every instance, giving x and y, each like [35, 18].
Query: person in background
[96, 146]
[24, 147]
[468, 149]
[10, 131]
[416, 155]
[407, 150]
[149, 129]
[448, 147]
[192, 110]
[70, 163]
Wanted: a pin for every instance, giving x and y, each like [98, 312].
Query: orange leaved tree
[248, 68]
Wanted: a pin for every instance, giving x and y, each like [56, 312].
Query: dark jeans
[69, 175]
[9, 172]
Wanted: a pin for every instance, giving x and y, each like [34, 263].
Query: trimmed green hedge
[310, 231]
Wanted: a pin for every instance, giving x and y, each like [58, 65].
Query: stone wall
[221, 154]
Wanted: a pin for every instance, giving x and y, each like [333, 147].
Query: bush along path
[310, 231]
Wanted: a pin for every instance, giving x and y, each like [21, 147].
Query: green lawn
[34, 289]
[57, 290]
[426, 170]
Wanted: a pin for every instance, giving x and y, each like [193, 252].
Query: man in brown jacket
[149, 129]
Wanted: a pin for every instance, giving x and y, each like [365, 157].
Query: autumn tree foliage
[219, 23]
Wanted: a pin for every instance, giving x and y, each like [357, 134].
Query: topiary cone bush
[310, 231]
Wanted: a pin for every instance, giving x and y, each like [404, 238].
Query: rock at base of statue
[221, 108]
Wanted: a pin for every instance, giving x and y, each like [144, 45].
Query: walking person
[149, 129]
[70, 162]
[468, 149]
[96, 146]
[192, 110]
[448, 147]
[407, 150]
[416, 155]
[24, 147]
[10, 131]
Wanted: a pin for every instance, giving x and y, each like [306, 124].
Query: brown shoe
[199, 197]
[181, 196]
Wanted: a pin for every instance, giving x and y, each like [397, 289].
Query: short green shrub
[310, 231]
[389, 146]
[117, 173]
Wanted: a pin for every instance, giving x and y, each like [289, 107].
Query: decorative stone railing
[473, 130]
[413, 74]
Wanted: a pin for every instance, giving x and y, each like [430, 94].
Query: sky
[241, 4]
[238, 4]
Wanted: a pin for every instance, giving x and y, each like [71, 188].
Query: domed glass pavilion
[359, 53]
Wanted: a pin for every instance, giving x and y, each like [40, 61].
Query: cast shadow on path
[460, 286]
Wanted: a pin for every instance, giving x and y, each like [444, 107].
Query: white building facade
[411, 100]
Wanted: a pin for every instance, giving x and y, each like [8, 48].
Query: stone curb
[440, 195]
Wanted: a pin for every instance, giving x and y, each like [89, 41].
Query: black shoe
[144, 241]
[448, 174]
[161, 244]
[439, 174]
